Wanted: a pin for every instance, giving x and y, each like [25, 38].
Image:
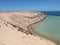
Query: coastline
[39, 35]
[28, 20]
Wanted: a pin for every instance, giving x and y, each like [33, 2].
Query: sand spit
[14, 28]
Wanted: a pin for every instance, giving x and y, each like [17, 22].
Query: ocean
[50, 27]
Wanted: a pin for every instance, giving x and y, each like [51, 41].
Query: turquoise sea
[50, 27]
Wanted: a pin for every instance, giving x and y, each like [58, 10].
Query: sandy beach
[15, 30]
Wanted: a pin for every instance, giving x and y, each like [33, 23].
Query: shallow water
[49, 28]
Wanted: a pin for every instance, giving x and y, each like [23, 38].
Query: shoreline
[38, 35]
[32, 32]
